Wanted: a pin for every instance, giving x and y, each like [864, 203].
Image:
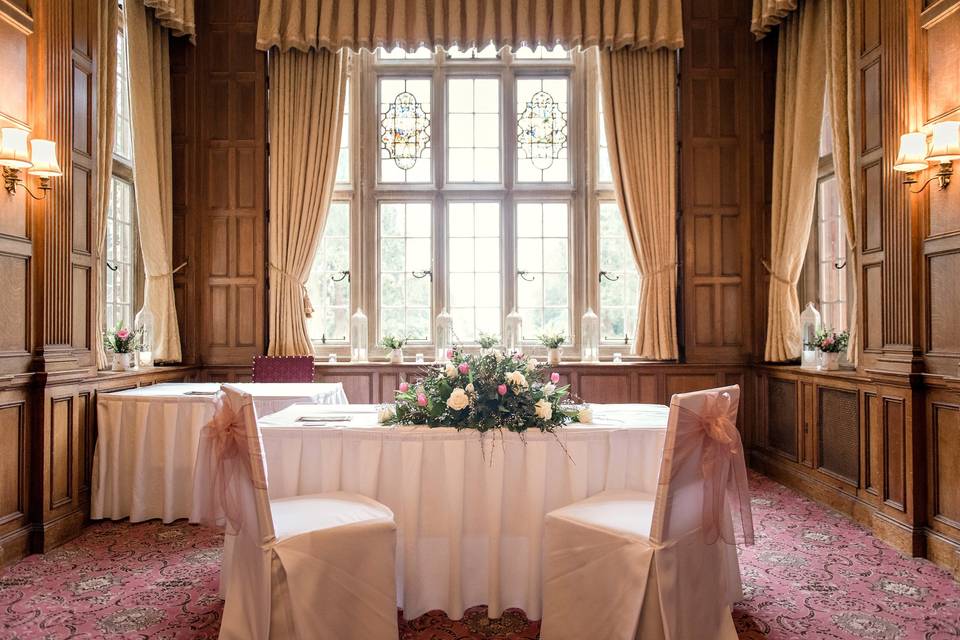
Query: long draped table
[469, 510]
[147, 441]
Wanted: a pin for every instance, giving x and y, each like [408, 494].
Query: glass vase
[513, 332]
[358, 336]
[589, 337]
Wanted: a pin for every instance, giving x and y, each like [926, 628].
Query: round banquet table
[469, 510]
[147, 441]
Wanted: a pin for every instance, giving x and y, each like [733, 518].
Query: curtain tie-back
[166, 274]
[307, 304]
[663, 269]
[776, 276]
[228, 441]
[722, 465]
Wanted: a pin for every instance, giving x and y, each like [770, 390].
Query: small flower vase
[553, 356]
[124, 361]
[396, 356]
[829, 361]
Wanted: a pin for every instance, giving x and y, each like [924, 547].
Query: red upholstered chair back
[283, 369]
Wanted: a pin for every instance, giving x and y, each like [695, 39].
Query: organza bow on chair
[722, 464]
[230, 458]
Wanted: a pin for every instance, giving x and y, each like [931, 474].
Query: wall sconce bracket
[11, 178]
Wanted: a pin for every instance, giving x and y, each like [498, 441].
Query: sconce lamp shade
[44, 158]
[913, 152]
[13, 148]
[946, 142]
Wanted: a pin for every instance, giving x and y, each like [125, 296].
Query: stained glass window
[543, 267]
[542, 130]
[473, 130]
[405, 130]
[329, 283]
[619, 282]
[473, 229]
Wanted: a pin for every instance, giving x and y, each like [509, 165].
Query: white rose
[516, 380]
[470, 388]
[386, 413]
[544, 409]
[549, 388]
[451, 370]
[498, 355]
[532, 364]
[585, 415]
[458, 399]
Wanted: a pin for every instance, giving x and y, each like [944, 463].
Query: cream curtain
[841, 83]
[176, 15]
[305, 112]
[367, 24]
[801, 77]
[639, 102]
[149, 60]
[107, 25]
[769, 13]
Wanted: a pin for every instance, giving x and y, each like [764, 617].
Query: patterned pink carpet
[812, 574]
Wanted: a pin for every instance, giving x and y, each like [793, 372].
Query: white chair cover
[624, 564]
[317, 566]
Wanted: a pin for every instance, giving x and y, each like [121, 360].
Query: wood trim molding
[17, 14]
[937, 11]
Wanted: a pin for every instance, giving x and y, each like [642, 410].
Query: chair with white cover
[310, 567]
[625, 564]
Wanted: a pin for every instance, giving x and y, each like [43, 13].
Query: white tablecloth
[147, 441]
[470, 521]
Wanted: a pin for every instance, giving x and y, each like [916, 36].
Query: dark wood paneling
[717, 94]
[839, 430]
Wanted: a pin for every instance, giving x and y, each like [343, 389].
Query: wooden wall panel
[945, 461]
[228, 81]
[13, 461]
[717, 94]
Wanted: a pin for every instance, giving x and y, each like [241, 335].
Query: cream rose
[385, 413]
[458, 399]
[470, 388]
[585, 415]
[549, 388]
[544, 409]
[532, 364]
[517, 380]
[451, 371]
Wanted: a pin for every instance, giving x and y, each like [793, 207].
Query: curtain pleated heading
[367, 24]
[769, 13]
[176, 15]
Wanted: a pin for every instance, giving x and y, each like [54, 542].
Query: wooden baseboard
[15, 545]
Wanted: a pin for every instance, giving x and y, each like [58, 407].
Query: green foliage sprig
[393, 342]
[122, 339]
[552, 340]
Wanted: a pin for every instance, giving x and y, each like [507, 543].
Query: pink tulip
[554, 377]
[421, 400]
[404, 387]
[502, 389]
[449, 353]
[464, 368]
[123, 334]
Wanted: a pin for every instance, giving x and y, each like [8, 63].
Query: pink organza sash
[230, 458]
[722, 465]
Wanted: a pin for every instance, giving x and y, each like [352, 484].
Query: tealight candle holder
[618, 358]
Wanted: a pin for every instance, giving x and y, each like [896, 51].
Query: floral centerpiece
[123, 343]
[830, 344]
[485, 392]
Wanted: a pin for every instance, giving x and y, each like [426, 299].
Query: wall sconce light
[41, 162]
[915, 154]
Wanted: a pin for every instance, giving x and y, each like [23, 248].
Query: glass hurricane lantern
[589, 336]
[358, 336]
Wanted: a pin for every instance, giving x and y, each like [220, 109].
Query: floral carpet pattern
[813, 574]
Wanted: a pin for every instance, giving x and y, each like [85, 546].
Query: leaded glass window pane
[343, 161]
[542, 132]
[329, 283]
[473, 130]
[122, 144]
[619, 282]
[405, 130]
[120, 255]
[604, 172]
[406, 263]
[543, 265]
[474, 272]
